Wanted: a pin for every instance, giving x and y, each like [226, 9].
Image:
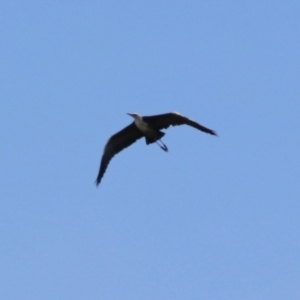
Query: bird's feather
[117, 143]
[175, 119]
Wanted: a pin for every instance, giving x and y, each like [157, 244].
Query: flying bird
[148, 127]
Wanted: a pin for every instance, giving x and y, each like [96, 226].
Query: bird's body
[150, 132]
[148, 127]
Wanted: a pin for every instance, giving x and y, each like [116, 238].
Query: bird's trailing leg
[163, 146]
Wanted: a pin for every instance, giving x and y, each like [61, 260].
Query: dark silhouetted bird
[148, 127]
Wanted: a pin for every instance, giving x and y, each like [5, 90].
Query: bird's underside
[148, 127]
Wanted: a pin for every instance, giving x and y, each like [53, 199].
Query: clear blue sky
[215, 218]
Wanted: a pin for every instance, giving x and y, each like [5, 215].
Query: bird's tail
[150, 140]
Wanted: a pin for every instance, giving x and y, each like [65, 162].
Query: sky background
[215, 218]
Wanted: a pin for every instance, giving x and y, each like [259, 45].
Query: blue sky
[215, 218]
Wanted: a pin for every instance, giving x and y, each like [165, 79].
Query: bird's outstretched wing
[174, 119]
[117, 143]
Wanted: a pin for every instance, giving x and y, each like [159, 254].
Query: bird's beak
[130, 114]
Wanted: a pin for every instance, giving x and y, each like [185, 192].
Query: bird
[148, 127]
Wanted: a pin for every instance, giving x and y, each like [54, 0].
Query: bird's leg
[163, 146]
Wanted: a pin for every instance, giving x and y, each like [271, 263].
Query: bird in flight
[148, 127]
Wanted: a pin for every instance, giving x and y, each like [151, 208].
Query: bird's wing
[174, 119]
[117, 143]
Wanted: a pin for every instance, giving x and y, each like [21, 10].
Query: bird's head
[135, 116]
